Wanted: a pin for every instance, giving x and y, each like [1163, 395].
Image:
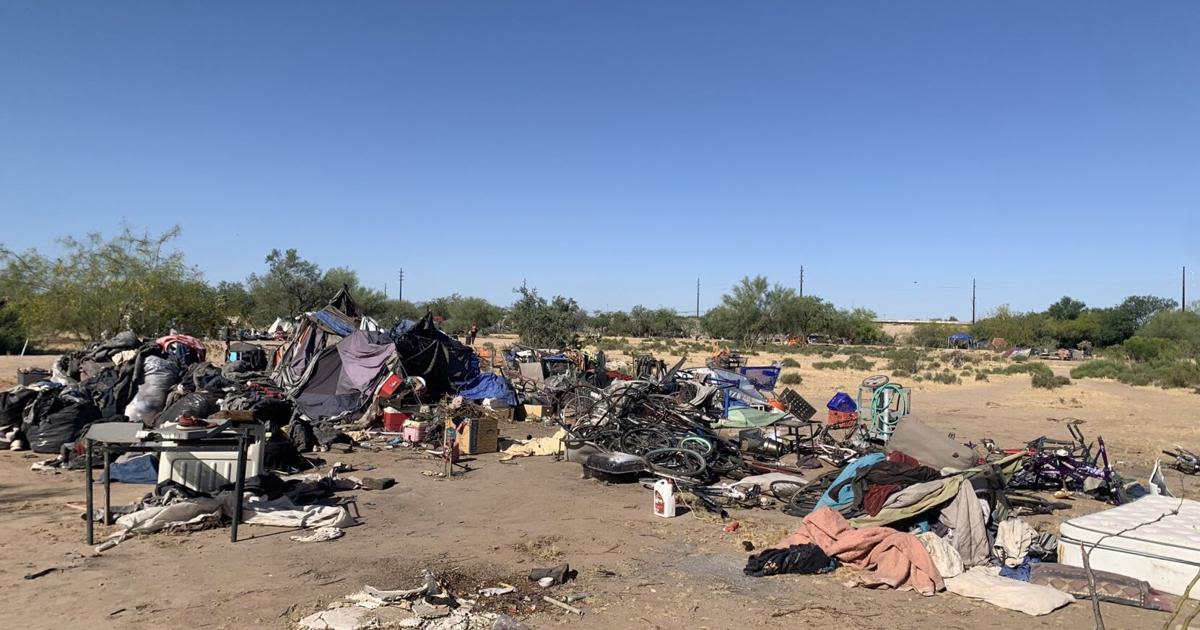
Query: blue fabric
[140, 469]
[334, 323]
[1019, 572]
[961, 336]
[488, 386]
[846, 494]
[842, 401]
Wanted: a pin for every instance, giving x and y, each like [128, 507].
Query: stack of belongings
[937, 521]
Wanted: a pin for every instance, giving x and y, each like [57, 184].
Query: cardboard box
[533, 412]
[479, 435]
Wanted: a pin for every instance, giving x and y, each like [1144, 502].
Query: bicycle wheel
[583, 402]
[642, 440]
[676, 461]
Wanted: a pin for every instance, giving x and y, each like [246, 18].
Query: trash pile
[906, 506]
[337, 375]
[429, 606]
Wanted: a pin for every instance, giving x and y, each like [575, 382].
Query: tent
[961, 340]
[441, 360]
[343, 377]
[280, 324]
[316, 331]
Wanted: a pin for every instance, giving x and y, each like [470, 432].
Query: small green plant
[857, 362]
[791, 378]
[829, 365]
[1049, 381]
[827, 354]
[981, 376]
[789, 362]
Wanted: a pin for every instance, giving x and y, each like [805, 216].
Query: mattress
[1164, 552]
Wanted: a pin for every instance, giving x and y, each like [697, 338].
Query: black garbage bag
[58, 417]
[195, 404]
[13, 404]
[158, 376]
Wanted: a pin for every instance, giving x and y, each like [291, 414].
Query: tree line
[96, 286]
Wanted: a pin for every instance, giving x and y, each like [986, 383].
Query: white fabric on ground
[1013, 538]
[945, 557]
[986, 583]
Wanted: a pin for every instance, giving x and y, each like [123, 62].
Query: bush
[829, 365]
[1046, 380]
[857, 362]
[827, 354]
[791, 378]
[1099, 368]
[947, 378]
[903, 359]
[1148, 349]
[981, 376]
[1178, 374]
[789, 363]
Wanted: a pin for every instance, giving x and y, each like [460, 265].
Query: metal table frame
[220, 443]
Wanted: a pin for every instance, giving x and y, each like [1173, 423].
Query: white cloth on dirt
[945, 557]
[968, 527]
[321, 534]
[1013, 538]
[283, 513]
[765, 480]
[540, 446]
[986, 583]
[255, 511]
[176, 515]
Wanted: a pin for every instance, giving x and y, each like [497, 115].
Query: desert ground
[498, 521]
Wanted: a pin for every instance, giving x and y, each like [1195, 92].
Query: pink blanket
[895, 559]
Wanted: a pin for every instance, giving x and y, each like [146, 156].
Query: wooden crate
[479, 435]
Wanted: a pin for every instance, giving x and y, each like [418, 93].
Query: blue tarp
[140, 469]
[846, 493]
[334, 323]
[961, 336]
[488, 386]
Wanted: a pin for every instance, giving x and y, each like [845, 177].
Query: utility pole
[1183, 291]
[972, 301]
[801, 280]
[697, 298]
[400, 293]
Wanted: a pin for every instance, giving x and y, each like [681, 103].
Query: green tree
[546, 324]
[101, 286]
[1066, 308]
[234, 301]
[290, 286]
[1181, 328]
[461, 312]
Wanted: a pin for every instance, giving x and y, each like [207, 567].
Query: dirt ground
[498, 521]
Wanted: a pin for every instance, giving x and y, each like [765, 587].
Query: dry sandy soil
[497, 522]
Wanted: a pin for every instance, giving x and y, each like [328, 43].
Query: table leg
[239, 486]
[87, 475]
[107, 488]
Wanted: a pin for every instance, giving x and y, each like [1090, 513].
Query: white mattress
[1165, 553]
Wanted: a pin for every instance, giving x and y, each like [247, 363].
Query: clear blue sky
[614, 151]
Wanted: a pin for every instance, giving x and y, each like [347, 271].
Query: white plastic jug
[664, 498]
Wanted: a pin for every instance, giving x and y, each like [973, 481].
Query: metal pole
[107, 487]
[972, 301]
[697, 298]
[801, 280]
[1183, 292]
[87, 492]
[239, 486]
